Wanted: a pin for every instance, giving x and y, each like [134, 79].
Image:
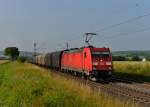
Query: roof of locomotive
[92, 48]
[72, 50]
[100, 49]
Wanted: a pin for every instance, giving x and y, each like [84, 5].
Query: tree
[12, 52]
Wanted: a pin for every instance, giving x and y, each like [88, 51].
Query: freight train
[89, 62]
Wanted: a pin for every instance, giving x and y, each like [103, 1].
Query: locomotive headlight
[95, 63]
[108, 63]
[109, 68]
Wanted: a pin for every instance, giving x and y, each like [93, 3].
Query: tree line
[124, 58]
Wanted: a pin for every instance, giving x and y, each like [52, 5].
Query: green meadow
[27, 85]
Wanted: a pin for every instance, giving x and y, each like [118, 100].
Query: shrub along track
[121, 92]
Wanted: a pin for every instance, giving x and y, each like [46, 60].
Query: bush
[119, 58]
[21, 59]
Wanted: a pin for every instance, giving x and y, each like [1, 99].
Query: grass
[26, 85]
[134, 70]
[3, 61]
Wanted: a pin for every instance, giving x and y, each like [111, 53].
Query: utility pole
[67, 45]
[35, 48]
[89, 36]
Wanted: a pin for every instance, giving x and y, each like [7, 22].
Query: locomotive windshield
[101, 54]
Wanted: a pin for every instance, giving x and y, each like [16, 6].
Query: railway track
[134, 84]
[139, 98]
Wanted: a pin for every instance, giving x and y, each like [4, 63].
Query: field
[134, 70]
[2, 61]
[26, 85]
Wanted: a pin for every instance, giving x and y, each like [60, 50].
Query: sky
[52, 23]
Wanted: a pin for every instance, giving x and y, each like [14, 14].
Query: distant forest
[131, 55]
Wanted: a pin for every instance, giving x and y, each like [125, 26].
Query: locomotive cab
[102, 66]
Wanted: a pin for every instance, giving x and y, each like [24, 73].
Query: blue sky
[52, 23]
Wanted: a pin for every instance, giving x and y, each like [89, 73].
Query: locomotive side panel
[77, 60]
[87, 61]
[73, 60]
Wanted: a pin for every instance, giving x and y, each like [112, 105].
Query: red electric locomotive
[95, 63]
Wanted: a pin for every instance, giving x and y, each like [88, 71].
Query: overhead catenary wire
[113, 26]
[124, 22]
[118, 24]
[124, 34]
